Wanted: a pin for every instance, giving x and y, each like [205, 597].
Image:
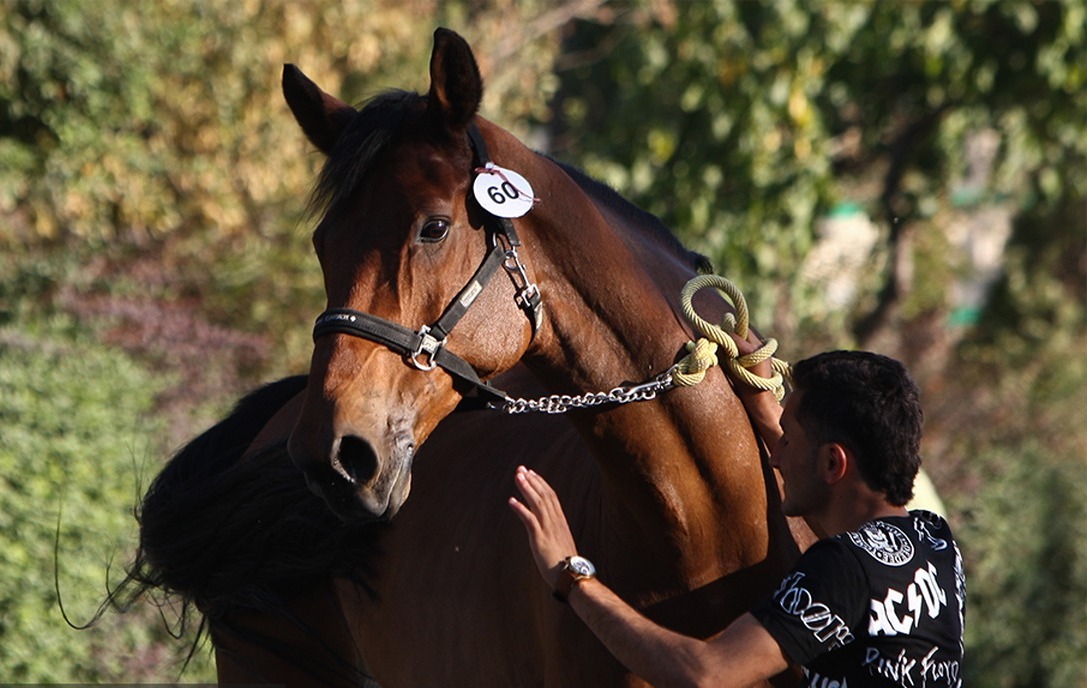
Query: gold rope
[703, 353]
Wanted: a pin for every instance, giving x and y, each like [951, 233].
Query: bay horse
[671, 496]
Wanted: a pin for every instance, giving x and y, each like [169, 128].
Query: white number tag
[503, 192]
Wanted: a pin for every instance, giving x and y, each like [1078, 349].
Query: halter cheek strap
[528, 294]
[425, 348]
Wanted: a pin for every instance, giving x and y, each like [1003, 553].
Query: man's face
[795, 457]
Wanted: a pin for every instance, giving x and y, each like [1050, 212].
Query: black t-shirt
[880, 606]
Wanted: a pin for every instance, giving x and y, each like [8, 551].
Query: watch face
[582, 566]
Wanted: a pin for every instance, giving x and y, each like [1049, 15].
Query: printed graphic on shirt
[921, 527]
[927, 671]
[813, 679]
[898, 612]
[960, 595]
[885, 542]
[825, 626]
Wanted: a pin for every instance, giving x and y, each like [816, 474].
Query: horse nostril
[355, 460]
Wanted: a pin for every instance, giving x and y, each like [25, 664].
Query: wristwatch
[574, 570]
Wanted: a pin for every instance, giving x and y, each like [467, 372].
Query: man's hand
[762, 407]
[746, 346]
[548, 532]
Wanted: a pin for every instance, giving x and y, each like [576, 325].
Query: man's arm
[765, 413]
[742, 654]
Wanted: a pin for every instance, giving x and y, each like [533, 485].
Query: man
[879, 601]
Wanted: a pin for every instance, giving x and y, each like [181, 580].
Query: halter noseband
[425, 348]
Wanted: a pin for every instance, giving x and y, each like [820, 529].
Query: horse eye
[434, 230]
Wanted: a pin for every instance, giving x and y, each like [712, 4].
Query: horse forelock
[364, 139]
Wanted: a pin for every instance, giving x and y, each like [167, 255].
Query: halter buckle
[428, 345]
[529, 297]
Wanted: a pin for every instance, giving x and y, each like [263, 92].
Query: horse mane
[612, 199]
[225, 534]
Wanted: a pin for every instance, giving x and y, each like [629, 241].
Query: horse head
[405, 249]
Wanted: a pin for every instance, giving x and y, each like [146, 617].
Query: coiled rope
[702, 356]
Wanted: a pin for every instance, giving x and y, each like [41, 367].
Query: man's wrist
[581, 588]
[573, 571]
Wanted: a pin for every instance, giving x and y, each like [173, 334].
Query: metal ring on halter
[428, 345]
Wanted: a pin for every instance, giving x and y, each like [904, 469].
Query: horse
[456, 262]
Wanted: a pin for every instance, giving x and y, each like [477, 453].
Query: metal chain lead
[561, 403]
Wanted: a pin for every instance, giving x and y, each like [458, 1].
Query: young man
[879, 601]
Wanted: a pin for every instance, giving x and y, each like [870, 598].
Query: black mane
[614, 200]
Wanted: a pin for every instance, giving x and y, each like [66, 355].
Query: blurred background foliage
[904, 176]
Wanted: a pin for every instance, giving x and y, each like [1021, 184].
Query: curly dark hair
[869, 404]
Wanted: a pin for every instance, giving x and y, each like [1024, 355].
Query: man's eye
[434, 230]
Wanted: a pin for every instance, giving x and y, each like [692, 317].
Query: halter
[425, 348]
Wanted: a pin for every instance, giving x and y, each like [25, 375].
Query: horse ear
[456, 87]
[320, 115]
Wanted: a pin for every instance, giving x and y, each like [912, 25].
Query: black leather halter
[425, 348]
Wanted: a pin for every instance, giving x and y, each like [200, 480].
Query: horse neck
[681, 475]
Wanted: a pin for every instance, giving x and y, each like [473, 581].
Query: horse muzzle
[358, 481]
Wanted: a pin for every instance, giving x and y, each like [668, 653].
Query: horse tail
[238, 540]
[223, 534]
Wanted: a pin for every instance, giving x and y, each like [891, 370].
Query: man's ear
[834, 462]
